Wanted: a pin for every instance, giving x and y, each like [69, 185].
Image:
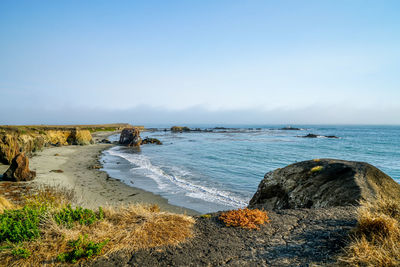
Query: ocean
[221, 170]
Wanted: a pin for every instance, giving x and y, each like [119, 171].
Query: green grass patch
[81, 248]
[68, 216]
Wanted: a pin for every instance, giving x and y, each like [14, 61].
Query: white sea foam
[175, 179]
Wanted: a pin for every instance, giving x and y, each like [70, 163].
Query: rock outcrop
[130, 137]
[180, 129]
[19, 170]
[149, 140]
[80, 137]
[323, 183]
[12, 141]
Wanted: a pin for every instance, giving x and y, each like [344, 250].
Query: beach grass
[47, 230]
[375, 241]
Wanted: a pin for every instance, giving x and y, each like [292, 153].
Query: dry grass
[51, 196]
[127, 228]
[244, 218]
[5, 204]
[376, 239]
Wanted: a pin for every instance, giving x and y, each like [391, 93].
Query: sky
[209, 61]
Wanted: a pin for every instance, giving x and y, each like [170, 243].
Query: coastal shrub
[316, 169]
[244, 218]
[81, 248]
[21, 224]
[68, 215]
[128, 228]
[375, 241]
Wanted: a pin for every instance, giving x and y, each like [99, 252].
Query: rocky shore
[311, 205]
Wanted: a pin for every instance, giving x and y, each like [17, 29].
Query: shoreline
[93, 187]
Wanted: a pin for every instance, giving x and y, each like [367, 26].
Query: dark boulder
[323, 183]
[130, 137]
[149, 140]
[19, 170]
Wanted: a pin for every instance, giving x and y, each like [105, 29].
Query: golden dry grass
[244, 218]
[376, 239]
[50, 196]
[5, 204]
[127, 228]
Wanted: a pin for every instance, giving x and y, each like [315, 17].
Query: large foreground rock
[130, 137]
[19, 170]
[323, 183]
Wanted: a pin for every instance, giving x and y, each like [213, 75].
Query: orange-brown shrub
[245, 218]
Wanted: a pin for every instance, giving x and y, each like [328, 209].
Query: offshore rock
[19, 170]
[310, 135]
[130, 137]
[180, 129]
[323, 183]
[149, 140]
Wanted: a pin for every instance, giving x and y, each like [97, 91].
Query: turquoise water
[221, 170]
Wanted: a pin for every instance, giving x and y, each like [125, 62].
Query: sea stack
[130, 137]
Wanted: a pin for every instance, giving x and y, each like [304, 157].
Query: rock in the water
[290, 128]
[149, 140]
[130, 137]
[310, 135]
[323, 183]
[19, 170]
[180, 129]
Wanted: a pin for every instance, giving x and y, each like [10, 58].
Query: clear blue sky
[200, 61]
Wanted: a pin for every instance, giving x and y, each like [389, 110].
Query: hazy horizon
[209, 62]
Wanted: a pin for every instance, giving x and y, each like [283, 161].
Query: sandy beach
[93, 187]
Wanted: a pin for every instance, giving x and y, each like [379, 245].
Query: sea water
[220, 170]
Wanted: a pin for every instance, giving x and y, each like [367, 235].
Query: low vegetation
[47, 229]
[376, 239]
[81, 248]
[244, 218]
